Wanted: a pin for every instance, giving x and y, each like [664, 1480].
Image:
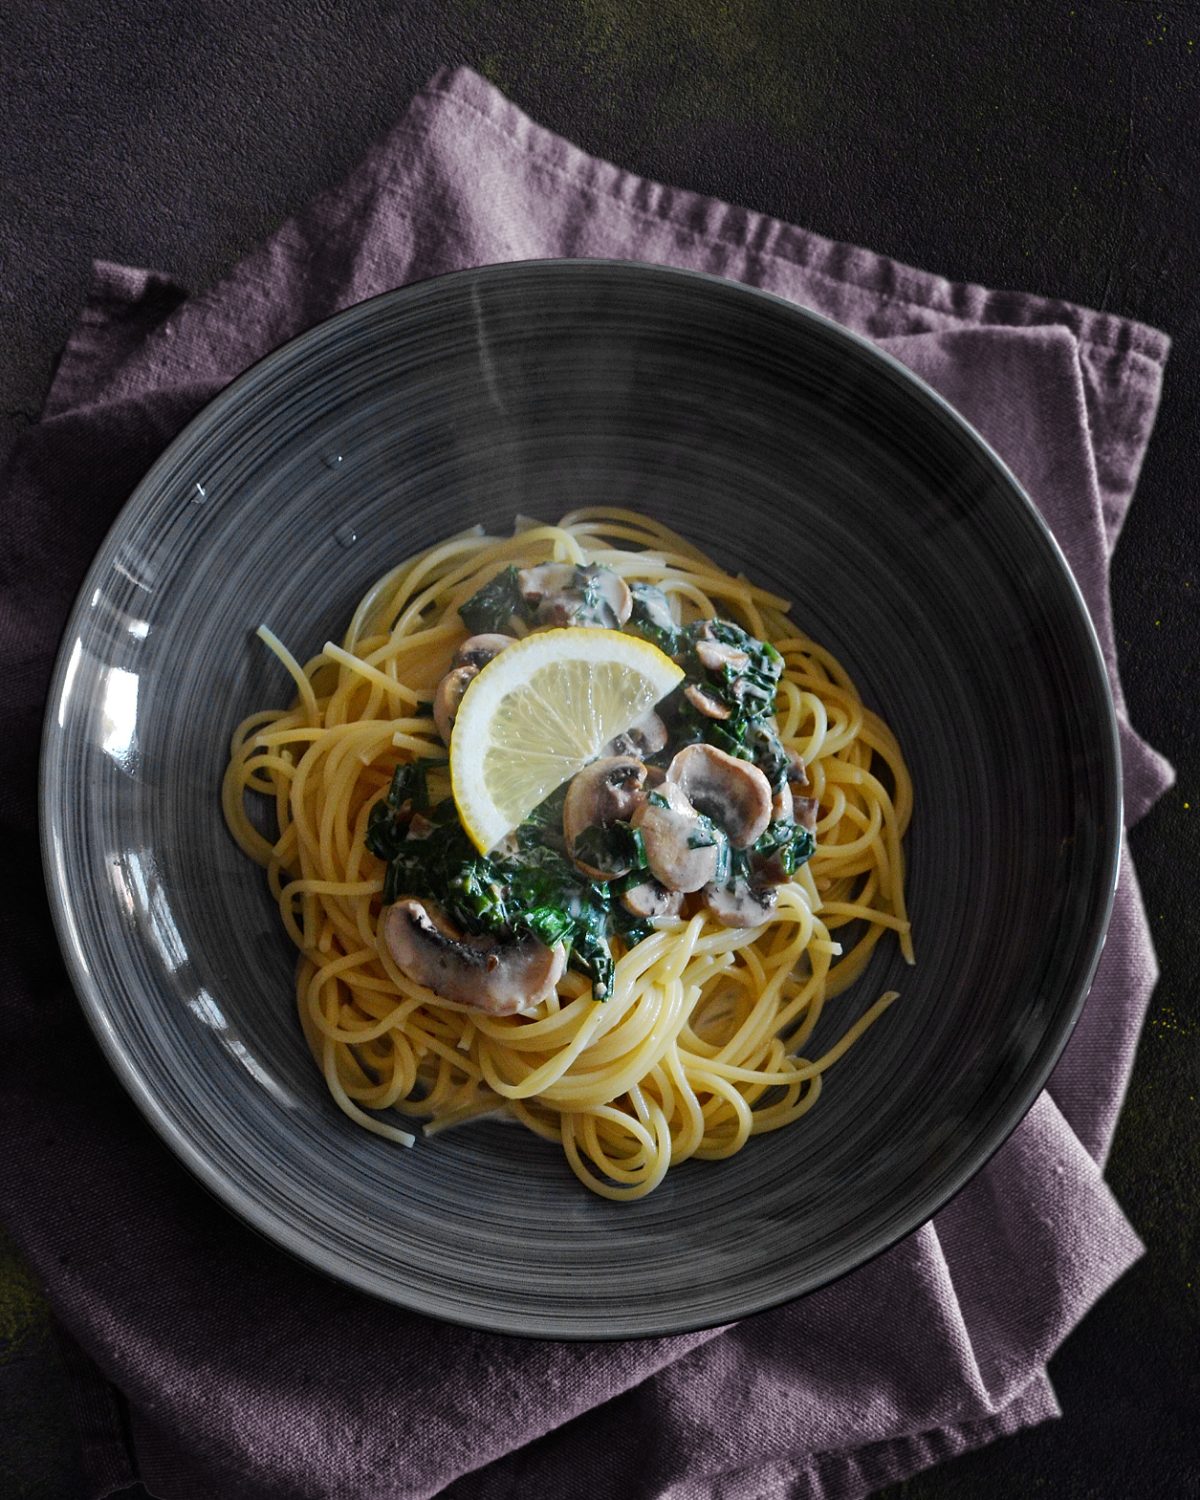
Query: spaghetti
[704, 1039]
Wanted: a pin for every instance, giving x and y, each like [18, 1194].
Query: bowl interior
[788, 450]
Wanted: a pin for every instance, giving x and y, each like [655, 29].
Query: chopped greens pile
[530, 885]
[748, 692]
[530, 888]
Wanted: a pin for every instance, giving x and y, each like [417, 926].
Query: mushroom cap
[705, 702]
[608, 791]
[650, 899]
[738, 903]
[501, 978]
[668, 822]
[646, 737]
[447, 698]
[797, 775]
[735, 794]
[477, 650]
[714, 655]
[782, 804]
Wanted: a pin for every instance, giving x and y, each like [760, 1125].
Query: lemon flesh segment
[539, 712]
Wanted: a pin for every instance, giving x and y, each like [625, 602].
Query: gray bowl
[784, 446]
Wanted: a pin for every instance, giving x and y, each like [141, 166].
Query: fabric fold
[247, 1373]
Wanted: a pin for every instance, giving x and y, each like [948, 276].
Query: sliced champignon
[501, 978]
[670, 827]
[606, 792]
[733, 793]
[646, 737]
[805, 812]
[715, 656]
[738, 903]
[448, 696]
[650, 899]
[562, 594]
[796, 774]
[477, 650]
[783, 805]
[706, 703]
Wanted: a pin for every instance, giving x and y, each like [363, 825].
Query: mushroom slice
[606, 792]
[796, 774]
[477, 650]
[501, 978]
[738, 904]
[562, 594]
[447, 698]
[650, 899]
[715, 656]
[646, 737]
[805, 812]
[704, 702]
[734, 794]
[783, 805]
[670, 826]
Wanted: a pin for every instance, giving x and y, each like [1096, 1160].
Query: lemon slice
[538, 712]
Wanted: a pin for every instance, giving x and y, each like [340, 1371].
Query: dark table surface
[1036, 144]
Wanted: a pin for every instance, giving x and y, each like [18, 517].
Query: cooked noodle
[705, 1039]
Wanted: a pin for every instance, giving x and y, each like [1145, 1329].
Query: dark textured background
[1035, 144]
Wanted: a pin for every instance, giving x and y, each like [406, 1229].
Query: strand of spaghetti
[727, 1102]
[849, 1037]
[363, 669]
[248, 726]
[800, 1097]
[360, 1117]
[867, 914]
[294, 671]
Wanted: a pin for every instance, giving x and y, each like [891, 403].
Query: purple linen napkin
[242, 1373]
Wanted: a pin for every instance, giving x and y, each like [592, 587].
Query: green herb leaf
[614, 848]
[549, 924]
[492, 608]
[387, 825]
[766, 751]
[592, 957]
[410, 784]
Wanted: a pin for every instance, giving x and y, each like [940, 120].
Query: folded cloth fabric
[208, 1362]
